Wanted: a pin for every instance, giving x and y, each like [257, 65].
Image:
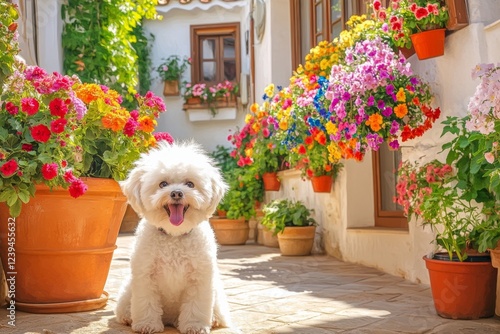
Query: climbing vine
[103, 42]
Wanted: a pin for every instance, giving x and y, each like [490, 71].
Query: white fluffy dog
[174, 275]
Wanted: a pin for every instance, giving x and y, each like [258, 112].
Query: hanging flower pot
[322, 184]
[171, 88]
[429, 44]
[271, 181]
[64, 247]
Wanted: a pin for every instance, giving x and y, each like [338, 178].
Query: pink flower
[489, 157]
[58, 107]
[40, 133]
[11, 108]
[49, 171]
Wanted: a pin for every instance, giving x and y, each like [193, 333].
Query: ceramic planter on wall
[64, 247]
[429, 44]
[296, 240]
[462, 290]
[322, 184]
[171, 88]
[271, 181]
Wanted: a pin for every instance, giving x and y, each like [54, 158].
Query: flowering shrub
[173, 67]
[56, 130]
[8, 39]
[374, 97]
[209, 94]
[406, 17]
[429, 192]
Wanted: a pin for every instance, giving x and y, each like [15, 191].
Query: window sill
[378, 230]
[206, 114]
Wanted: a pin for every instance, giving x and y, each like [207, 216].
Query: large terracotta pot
[230, 231]
[271, 181]
[429, 44]
[296, 240]
[322, 184]
[63, 247]
[495, 262]
[462, 290]
[269, 239]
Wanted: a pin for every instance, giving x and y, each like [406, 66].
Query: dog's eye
[190, 184]
[163, 184]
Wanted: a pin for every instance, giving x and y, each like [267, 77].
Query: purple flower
[380, 104]
[374, 141]
[394, 144]
[346, 96]
[387, 111]
[394, 128]
[389, 90]
[370, 101]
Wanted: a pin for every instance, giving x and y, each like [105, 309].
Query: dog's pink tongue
[176, 214]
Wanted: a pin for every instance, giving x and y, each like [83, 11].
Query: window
[387, 213]
[314, 21]
[215, 53]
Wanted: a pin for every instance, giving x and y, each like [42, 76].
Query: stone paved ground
[269, 293]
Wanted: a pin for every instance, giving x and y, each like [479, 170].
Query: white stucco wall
[172, 36]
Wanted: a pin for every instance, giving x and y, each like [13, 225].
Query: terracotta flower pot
[495, 262]
[271, 181]
[322, 184]
[230, 231]
[171, 88]
[462, 290]
[268, 239]
[429, 44]
[296, 240]
[63, 247]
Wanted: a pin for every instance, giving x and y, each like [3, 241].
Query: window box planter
[221, 109]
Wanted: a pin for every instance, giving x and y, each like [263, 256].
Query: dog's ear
[131, 188]
[219, 188]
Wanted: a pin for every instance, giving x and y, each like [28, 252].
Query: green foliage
[284, 212]
[245, 189]
[98, 40]
[226, 163]
[9, 46]
[142, 46]
[476, 177]
[173, 67]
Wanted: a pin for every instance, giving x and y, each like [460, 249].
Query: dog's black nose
[176, 194]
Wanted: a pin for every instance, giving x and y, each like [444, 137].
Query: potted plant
[292, 222]
[201, 95]
[170, 71]
[433, 192]
[64, 144]
[227, 165]
[417, 23]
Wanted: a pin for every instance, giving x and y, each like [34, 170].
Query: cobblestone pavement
[269, 293]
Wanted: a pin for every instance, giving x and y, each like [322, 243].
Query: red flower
[40, 133]
[9, 168]
[57, 126]
[30, 105]
[27, 147]
[69, 177]
[130, 127]
[77, 188]
[58, 107]
[421, 13]
[302, 149]
[159, 136]
[377, 4]
[11, 108]
[49, 171]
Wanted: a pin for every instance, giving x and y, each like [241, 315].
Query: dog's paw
[197, 330]
[124, 320]
[148, 327]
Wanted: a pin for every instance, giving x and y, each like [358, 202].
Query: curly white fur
[174, 275]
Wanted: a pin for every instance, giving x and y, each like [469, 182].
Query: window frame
[200, 32]
[384, 218]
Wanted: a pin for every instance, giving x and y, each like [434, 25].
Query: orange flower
[113, 121]
[147, 124]
[375, 122]
[401, 110]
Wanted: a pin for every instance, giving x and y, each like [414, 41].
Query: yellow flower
[401, 96]
[331, 128]
[248, 118]
[283, 124]
[269, 90]
[249, 152]
[334, 153]
[254, 108]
